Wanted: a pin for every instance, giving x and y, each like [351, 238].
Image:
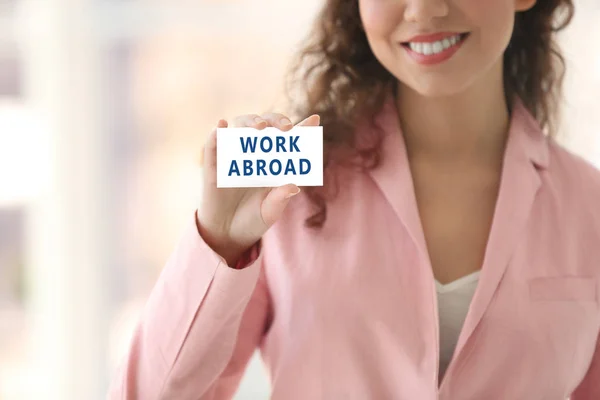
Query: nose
[425, 10]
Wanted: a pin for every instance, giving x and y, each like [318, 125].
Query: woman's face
[440, 47]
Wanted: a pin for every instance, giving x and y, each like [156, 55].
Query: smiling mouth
[429, 48]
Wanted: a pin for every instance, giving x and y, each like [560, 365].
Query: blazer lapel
[525, 156]
[394, 178]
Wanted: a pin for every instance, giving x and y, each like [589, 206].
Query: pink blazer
[349, 312]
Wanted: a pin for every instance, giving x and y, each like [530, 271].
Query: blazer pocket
[563, 288]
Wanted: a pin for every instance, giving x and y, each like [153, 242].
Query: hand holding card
[251, 171]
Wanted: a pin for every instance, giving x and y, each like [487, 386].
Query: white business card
[248, 157]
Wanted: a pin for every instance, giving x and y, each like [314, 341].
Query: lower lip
[437, 58]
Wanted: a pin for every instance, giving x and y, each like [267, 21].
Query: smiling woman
[129, 90]
[447, 207]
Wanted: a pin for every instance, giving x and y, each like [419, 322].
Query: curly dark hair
[336, 75]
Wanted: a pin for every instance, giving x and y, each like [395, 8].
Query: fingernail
[285, 122]
[258, 120]
[287, 196]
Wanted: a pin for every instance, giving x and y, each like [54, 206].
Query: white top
[454, 299]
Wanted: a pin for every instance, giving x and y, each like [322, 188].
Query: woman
[453, 253]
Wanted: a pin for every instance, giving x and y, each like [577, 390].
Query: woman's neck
[467, 128]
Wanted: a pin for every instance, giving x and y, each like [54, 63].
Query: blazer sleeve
[200, 326]
[589, 388]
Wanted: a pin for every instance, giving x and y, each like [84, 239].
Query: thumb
[275, 202]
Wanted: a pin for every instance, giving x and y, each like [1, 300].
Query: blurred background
[104, 106]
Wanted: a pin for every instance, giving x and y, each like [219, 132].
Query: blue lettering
[234, 169]
[290, 167]
[269, 142]
[260, 166]
[248, 144]
[307, 170]
[278, 163]
[248, 168]
[293, 143]
[280, 144]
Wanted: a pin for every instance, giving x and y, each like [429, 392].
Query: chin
[435, 87]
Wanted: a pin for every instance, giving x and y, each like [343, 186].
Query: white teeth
[434, 47]
[427, 48]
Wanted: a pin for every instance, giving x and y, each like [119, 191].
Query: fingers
[249, 120]
[278, 121]
[313, 120]
[275, 202]
[283, 123]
